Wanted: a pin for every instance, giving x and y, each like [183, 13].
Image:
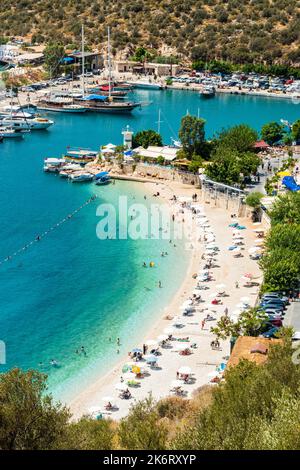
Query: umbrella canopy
[245, 300]
[169, 330]
[151, 342]
[176, 384]
[121, 387]
[136, 350]
[213, 374]
[181, 347]
[213, 295]
[94, 409]
[108, 399]
[221, 287]
[184, 370]
[162, 338]
[253, 249]
[136, 369]
[248, 275]
[129, 376]
[151, 358]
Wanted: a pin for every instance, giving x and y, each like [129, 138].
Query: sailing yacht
[104, 103]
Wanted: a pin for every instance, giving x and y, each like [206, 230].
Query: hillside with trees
[253, 31]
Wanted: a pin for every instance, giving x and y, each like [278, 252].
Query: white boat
[54, 165]
[145, 85]
[10, 133]
[81, 177]
[208, 91]
[27, 122]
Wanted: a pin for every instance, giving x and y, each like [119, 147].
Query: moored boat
[208, 92]
[102, 178]
[81, 177]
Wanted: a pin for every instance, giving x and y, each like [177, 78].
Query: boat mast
[159, 121]
[82, 58]
[109, 63]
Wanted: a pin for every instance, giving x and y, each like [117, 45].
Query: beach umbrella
[150, 358]
[258, 230]
[248, 275]
[255, 224]
[121, 387]
[169, 330]
[129, 376]
[178, 322]
[241, 306]
[208, 312]
[213, 374]
[213, 295]
[253, 249]
[258, 242]
[136, 369]
[94, 409]
[245, 300]
[151, 342]
[181, 347]
[108, 399]
[161, 338]
[221, 287]
[136, 350]
[184, 370]
[176, 384]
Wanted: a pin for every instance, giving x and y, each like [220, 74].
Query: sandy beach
[204, 360]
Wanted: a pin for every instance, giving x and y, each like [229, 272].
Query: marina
[81, 261]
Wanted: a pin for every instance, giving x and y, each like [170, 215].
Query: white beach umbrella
[169, 330]
[213, 374]
[178, 322]
[161, 338]
[151, 342]
[181, 347]
[208, 312]
[245, 300]
[129, 376]
[121, 387]
[108, 399]
[254, 249]
[150, 357]
[220, 287]
[94, 409]
[213, 295]
[184, 370]
[176, 384]
[241, 306]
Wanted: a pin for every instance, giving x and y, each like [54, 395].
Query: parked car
[271, 332]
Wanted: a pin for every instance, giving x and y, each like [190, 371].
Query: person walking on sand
[236, 284]
[202, 324]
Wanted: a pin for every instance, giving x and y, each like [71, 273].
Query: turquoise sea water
[71, 289]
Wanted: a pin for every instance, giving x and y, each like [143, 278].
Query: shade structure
[150, 358]
[185, 370]
[245, 300]
[151, 342]
[213, 295]
[253, 249]
[176, 384]
[181, 347]
[258, 230]
[178, 322]
[213, 374]
[259, 242]
[248, 275]
[129, 376]
[208, 312]
[108, 399]
[136, 369]
[121, 387]
[94, 409]
[169, 330]
[161, 338]
[220, 287]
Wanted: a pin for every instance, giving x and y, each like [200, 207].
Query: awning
[95, 98]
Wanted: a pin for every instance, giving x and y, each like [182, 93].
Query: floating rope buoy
[42, 235]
